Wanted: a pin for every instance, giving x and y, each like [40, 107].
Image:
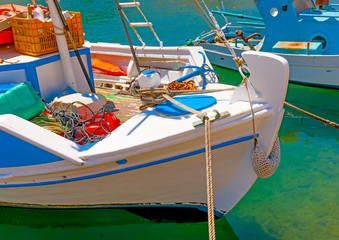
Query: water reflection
[21, 223]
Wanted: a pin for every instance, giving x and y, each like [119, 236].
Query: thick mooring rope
[155, 94]
[209, 180]
[323, 120]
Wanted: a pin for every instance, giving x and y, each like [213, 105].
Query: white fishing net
[265, 166]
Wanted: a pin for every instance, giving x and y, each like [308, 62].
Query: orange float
[108, 68]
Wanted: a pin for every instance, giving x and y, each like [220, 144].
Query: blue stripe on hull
[199, 151]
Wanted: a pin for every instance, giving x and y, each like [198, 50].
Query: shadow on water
[108, 223]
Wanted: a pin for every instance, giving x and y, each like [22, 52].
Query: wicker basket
[35, 38]
[322, 2]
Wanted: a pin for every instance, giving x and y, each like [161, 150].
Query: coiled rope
[153, 96]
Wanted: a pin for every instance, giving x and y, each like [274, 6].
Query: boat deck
[122, 105]
[10, 55]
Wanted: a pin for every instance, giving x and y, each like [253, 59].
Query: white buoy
[62, 46]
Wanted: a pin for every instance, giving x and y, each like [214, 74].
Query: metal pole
[127, 35]
[74, 46]
[65, 59]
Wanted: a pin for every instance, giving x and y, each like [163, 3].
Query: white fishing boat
[304, 35]
[157, 157]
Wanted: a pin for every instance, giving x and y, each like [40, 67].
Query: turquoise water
[300, 201]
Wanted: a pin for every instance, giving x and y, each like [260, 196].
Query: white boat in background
[299, 32]
[157, 156]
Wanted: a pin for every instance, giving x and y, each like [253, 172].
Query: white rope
[220, 31]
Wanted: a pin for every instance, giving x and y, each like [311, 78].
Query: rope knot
[239, 61]
[152, 96]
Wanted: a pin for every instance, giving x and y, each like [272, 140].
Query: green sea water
[300, 201]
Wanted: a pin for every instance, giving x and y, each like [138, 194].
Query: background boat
[301, 33]
[303, 203]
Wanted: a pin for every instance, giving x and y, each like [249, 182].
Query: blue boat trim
[27, 156]
[121, 162]
[165, 160]
[30, 67]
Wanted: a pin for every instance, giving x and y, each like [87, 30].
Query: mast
[127, 35]
[62, 46]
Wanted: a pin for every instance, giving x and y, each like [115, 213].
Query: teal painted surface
[288, 24]
[300, 201]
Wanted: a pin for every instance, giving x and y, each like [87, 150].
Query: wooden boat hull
[168, 175]
[150, 159]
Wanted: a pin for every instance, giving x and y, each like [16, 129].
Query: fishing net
[78, 130]
[265, 166]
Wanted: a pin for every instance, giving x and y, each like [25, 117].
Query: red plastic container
[7, 11]
[99, 124]
[6, 37]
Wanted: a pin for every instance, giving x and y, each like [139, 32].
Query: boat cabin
[299, 21]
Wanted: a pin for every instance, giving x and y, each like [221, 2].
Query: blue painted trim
[30, 67]
[121, 162]
[32, 77]
[89, 64]
[165, 160]
[19, 153]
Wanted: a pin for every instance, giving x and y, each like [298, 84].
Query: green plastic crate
[21, 100]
